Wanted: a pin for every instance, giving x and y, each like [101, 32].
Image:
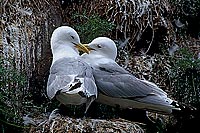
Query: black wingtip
[184, 109]
[175, 104]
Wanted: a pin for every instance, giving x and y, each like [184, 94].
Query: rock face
[62, 124]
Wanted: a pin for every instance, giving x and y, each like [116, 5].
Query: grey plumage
[71, 81]
[115, 82]
[116, 86]
[122, 82]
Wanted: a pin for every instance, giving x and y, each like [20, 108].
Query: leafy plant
[185, 77]
[12, 96]
[92, 27]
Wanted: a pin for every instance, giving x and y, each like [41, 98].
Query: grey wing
[115, 81]
[71, 76]
[56, 83]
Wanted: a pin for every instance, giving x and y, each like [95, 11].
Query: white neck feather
[95, 60]
[64, 50]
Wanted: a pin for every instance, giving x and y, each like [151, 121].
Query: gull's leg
[88, 103]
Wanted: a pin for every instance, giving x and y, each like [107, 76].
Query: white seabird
[116, 86]
[70, 80]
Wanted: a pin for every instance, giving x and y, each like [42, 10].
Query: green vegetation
[92, 27]
[12, 97]
[185, 77]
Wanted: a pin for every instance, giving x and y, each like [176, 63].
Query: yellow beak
[88, 47]
[82, 48]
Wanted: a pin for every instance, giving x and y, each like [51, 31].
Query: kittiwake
[70, 80]
[118, 87]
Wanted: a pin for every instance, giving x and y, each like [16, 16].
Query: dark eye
[72, 37]
[98, 46]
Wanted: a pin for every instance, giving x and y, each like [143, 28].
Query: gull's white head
[104, 47]
[64, 43]
[64, 35]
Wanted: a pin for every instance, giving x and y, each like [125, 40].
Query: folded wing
[115, 81]
[71, 76]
